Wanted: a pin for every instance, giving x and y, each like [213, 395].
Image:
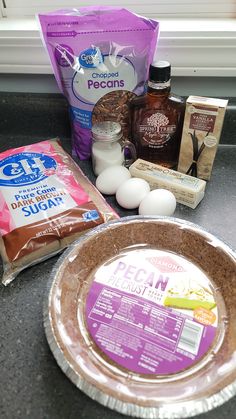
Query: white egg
[131, 192]
[158, 202]
[111, 178]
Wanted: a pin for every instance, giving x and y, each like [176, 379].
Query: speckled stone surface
[31, 384]
[47, 115]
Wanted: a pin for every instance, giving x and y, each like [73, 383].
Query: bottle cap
[159, 71]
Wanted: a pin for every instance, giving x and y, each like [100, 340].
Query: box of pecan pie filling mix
[202, 128]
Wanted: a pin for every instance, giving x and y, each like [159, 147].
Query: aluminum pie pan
[93, 382]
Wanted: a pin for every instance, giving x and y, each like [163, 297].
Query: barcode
[190, 337]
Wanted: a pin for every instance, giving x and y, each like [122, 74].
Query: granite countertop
[31, 383]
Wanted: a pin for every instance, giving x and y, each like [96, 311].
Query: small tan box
[202, 128]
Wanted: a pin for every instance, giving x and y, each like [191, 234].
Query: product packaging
[148, 327]
[188, 190]
[100, 57]
[203, 123]
[45, 203]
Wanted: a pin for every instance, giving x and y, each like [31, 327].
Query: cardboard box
[202, 128]
[187, 189]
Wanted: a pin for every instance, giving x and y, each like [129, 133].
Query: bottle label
[156, 130]
[152, 312]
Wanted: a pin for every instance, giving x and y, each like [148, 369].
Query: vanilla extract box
[202, 128]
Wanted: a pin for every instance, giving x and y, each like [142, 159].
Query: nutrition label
[141, 335]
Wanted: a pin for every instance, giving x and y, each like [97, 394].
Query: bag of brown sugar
[46, 202]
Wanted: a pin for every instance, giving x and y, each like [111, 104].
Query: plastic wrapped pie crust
[141, 316]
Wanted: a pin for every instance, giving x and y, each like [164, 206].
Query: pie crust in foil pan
[94, 327]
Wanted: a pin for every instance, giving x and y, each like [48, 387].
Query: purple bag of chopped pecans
[100, 57]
